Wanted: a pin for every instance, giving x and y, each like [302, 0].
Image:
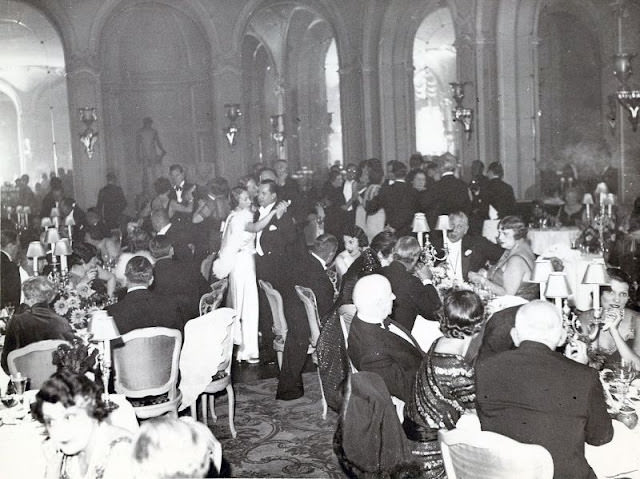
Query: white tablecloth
[542, 240]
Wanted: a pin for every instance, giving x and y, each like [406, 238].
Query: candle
[35, 266]
[69, 230]
[63, 263]
[27, 211]
[420, 240]
[596, 297]
[107, 353]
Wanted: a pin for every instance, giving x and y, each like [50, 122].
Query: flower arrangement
[76, 303]
[598, 235]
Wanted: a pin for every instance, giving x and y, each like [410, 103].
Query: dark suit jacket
[281, 246]
[537, 396]
[180, 217]
[111, 204]
[10, 285]
[481, 251]
[412, 297]
[180, 235]
[500, 195]
[399, 202]
[143, 309]
[36, 323]
[449, 195]
[181, 280]
[311, 274]
[372, 348]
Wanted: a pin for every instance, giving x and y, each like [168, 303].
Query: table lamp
[55, 216]
[557, 287]
[69, 222]
[596, 275]
[542, 268]
[443, 223]
[45, 223]
[587, 201]
[63, 249]
[103, 329]
[51, 237]
[420, 226]
[35, 251]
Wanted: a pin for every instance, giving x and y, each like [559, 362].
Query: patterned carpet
[277, 438]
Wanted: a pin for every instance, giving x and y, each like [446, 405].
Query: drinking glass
[19, 385]
[625, 373]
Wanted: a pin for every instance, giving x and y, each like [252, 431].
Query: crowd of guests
[351, 243]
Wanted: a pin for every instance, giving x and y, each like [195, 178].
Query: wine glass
[624, 374]
[19, 385]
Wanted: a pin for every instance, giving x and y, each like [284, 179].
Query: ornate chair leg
[232, 403]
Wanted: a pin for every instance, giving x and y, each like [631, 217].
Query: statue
[149, 152]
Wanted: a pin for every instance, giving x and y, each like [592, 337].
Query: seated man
[379, 345]
[37, 322]
[140, 308]
[414, 295]
[535, 395]
[464, 252]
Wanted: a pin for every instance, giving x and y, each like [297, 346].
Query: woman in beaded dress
[444, 388]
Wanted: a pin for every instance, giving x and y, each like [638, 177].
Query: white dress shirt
[455, 257]
[347, 191]
[264, 211]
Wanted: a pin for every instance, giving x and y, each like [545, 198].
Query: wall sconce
[232, 113]
[628, 98]
[460, 113]
[89, 136]
[277, 129]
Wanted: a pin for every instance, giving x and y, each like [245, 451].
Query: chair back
[474, 454]
[308, 298]
[147, 363]
[277, 309]
[212, 300]
[35, 361]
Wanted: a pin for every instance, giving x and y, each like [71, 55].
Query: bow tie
[178, 188]
[386, 322]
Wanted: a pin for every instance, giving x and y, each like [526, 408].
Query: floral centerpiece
[76, 303]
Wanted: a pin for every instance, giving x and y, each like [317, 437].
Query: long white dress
[238, 246]
[374, 223]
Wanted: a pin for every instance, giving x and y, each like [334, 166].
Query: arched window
[434, 62]
[334, 123]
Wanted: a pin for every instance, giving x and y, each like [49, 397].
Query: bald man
[535, 395]
[378, 344]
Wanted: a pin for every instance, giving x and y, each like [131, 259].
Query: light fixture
[557, 287]
[232, 113]
[62, 249]
[35, 251]
[587, 201]
[89, 136]
[596, 275]
[542, 268]
[277, 129]
[443, 223]
[103, 329]
[420, 226]
[460, 113]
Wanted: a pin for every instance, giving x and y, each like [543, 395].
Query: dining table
[540, 239]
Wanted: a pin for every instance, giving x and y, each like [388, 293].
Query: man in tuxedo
[309, 271]
[140, 308]
[448, 195]
[415, 295]
[535, 395]
[464, 252]
[288, 190]
[111, 202]
[398, 200]
[379, 345]
[178, 235]
[179, 279]
[9, 270]
[498, 193]
[180, 186]
[70, 211]
[277, 248]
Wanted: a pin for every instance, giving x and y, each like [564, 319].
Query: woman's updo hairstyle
[463, 314]
[515, 224]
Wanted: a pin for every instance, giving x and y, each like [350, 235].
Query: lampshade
[55, 213]
[542, 268]
[69, 221]
[596, 273]
[587, 199]
[557, 286]
[443, 223]
[102, 327]
[45, 222]
[51, 236]
[420, 224]
[610, 199]
[35, 250]
[62, 248]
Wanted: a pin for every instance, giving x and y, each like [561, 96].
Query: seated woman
[166, 447]
[86, 269]
[445, 385]
[355, 240]
[138, 245]
[624, 322]
[571, 213]
[37, 321]
[80, 443]
[510, 274]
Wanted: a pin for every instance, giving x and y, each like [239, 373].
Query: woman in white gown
[237, 257]
[374, 223]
